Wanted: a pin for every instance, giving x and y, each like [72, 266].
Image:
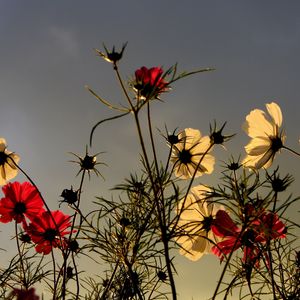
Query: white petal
[192, 136]
[2, 144]
[266, 160]
[208, 163]
[258, 150]
[275, 113]
[200, 191]
[251, 161]
[257, 125]
[199, 244]
[259, 161]
[201, 146]
[2, 176]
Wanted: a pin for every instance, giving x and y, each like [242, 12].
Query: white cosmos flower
[267, 139]
[194, 225]
[191, 154]
[8, 169]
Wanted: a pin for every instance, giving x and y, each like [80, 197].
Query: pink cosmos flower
[47, 230]
[149, 83]
[251, 240]
[21, 200]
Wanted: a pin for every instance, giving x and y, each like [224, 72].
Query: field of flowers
[241, 220]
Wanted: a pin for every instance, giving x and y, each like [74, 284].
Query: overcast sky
[47, 57]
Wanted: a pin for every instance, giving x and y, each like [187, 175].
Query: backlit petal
[257, 125]
[275, 113]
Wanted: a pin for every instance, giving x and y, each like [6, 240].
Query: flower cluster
[205, 227]
[23, 203]
[163, 207]
[262, 227]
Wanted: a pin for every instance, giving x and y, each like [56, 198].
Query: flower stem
[226, 265]
[291, 150]
[21, 257]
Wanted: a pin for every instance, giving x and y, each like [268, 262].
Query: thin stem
[123, 87]
[103, 297]
[55, 282]
[32, 182]
[190, 185]
[66, 255]
[291, 150]
[149, 171]
[21, 257]
[77, 277]
[226, 264]
[152, 139]
[161, 225]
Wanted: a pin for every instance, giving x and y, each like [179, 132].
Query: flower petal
[257, 125]
[275, 113]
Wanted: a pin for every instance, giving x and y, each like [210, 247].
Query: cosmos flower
[191, 154]
[149, 83]
[262, 229]
[20, 200]
[47, 231]
[267, 139]
[25, 294]
[8, 161]
[195, 221]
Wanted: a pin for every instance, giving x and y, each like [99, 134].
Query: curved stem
[32, 182]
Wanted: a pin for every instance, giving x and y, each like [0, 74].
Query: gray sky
[47, 57]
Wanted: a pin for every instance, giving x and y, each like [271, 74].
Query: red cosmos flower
[251, 240]
[21, 200]
[47, 230]
[149, 83]
[25, 294]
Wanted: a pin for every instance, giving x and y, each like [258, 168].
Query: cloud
[65, 40]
